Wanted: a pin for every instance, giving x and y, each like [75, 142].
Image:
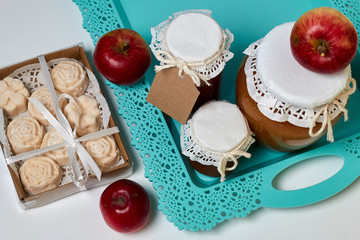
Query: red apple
[122, 56]
[324, 40]
[125, 206]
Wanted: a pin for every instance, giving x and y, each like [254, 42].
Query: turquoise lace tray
[188, 199]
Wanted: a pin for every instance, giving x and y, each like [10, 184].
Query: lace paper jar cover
[192, 41]
[285, 91]
[217, 134]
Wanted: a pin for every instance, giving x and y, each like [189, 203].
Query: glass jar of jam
[287, 106]
[215, 138]
[195, 43]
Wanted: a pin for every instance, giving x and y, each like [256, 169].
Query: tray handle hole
[308, 172]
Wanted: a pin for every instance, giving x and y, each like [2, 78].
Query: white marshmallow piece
[13, 96]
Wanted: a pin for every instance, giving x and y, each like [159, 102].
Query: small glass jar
[195, 43]
[287, 106]
[215, 138]
[208, 93]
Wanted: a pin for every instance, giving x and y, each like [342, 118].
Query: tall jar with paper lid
[287, 106]
[194, 44]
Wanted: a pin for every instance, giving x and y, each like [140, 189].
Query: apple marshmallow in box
[58, 136]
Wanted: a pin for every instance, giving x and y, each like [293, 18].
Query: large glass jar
[287, 106]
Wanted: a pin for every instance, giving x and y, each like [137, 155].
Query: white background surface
[29, 28]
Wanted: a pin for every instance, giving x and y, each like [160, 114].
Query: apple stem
[122, 47]
[121, 200]
[125, 47]
[322, 49]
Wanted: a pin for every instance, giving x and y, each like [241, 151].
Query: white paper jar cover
[192, 36]
[217, 133]
[286, 91]
[290, 82]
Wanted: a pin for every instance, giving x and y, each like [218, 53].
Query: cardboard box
[123, 169]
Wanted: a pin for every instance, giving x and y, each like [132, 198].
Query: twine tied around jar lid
[325, 111]
[230, 155]
[169, 61]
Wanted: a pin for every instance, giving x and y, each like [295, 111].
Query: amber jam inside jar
[208, 93]
[210, 171]
[280, 136]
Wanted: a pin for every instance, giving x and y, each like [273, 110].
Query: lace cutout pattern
[352, 146]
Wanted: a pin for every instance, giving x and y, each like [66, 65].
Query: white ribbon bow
[73, 145]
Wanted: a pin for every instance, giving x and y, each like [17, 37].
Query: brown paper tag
[173, 95]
